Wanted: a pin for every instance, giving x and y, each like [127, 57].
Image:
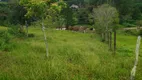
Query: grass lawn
[72, 56]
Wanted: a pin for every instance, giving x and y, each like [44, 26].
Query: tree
[17, 15]
[39, 9]
[68, 15]
[125, 8]
[139, 24]
[105, 16]
[4, 13]
[34, 8]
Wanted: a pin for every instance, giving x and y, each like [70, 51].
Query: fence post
[45, 39]
[26, 23]
[110, 40]
[114, 41]
[133, 72]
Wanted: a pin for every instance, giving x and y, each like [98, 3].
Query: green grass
[2, 28]
[72, 56]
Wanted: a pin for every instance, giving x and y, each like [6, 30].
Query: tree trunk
[26, 24]
[108, 37]
[21, 29]
[67, 27]
[110, 40]
[27, 31]
[103, 37]
[114, 41]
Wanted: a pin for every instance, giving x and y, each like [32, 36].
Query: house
[3, 0]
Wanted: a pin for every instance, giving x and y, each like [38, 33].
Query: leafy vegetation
[72, 56]
[82, 37]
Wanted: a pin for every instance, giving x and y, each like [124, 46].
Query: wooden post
[45, 39]
[103, 37]
[108, 37]
[133, 72]
[114, 41]
[26, 28]
[110, 40]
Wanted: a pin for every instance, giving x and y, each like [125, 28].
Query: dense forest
[12, 12]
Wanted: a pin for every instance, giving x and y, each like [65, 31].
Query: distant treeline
[130, 11]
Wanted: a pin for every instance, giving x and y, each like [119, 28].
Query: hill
[72, 56]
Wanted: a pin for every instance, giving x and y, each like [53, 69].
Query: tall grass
[72, 56]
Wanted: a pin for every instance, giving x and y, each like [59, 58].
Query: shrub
[140, 32]
[5, 44]
[129, 25]
[31, 35]
[139, 23]
[15, 31]
[131, 32]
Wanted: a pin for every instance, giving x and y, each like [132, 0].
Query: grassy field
[72, 56]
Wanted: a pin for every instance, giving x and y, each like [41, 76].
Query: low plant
[16, 31]
[5, 44]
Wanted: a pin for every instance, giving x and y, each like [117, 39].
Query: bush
[5, 44]
[132, 32]
[140, 32]
[15, 31]
[139, 23]
[120, 26]
[31, 35]
[6, 36]
[128, 25]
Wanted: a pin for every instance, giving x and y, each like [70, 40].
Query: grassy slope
[73, 56]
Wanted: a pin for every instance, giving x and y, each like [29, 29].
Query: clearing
[72, 56]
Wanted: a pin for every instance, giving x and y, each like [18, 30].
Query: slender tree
[105, 16]
[39, 9]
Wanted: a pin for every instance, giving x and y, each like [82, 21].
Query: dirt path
[132, 28]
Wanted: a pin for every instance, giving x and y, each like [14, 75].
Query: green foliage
[44, 11]
[5, 44]
[68, 14]
[39, 8]
[131, 32]
[137, 14]
[17, 15]
[75, 56]
[4, 12]
[140, 32]
[139, 23]
[6, 37]
[15, 31]
[128, 24]
[34, 8]
[105, 16]
[12, 13]
[90, 18]
[82, 16]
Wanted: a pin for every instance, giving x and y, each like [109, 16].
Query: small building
[74, 6]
